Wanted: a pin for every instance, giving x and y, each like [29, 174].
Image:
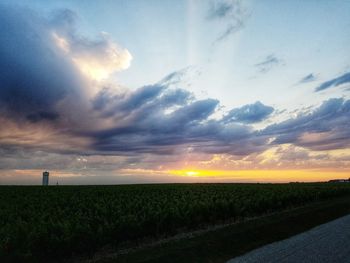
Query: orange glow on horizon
[265, 175]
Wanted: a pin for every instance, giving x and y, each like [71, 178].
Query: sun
[191, 173]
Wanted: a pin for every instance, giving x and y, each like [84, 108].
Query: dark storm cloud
[343, 79]
[268, 63]
[250, 113]
[34, 74]
[42, 115]
[41, 79]
[326, 128]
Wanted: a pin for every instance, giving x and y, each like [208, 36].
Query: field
[44, 223]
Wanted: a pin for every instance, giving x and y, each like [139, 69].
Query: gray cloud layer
[250, 113]
[326, 128]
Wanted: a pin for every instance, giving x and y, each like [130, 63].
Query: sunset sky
[108, 92]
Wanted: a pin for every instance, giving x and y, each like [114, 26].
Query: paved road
[329, 242]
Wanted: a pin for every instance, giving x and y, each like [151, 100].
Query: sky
[157, 91]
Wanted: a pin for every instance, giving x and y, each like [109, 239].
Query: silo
[46, 178]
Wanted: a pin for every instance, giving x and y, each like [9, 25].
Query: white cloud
[97, 59]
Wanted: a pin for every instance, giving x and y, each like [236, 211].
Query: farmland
[43, 223]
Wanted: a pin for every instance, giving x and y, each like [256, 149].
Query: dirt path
[329, 242]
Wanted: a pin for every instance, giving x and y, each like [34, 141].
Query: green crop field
[42, 223]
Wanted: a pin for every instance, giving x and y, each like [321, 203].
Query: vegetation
[227, 242]
[43, 223]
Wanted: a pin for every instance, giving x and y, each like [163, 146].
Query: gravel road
[329, 242]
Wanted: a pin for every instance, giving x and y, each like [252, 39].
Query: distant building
[46, 178]
[339, 181]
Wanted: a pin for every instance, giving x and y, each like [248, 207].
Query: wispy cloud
[231, 13]
[183, 76]
[337, 81]
[308, 78]
[268, 63]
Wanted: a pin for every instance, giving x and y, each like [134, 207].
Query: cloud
[52, 97]
[292, 153]
[46, 65]
[157, 97]
[44, 94]
[220, 9]
[250, 113]
[167, 118]
[270, 62]
[42, 115]
[96, 58]
[55, 114]
[343, 79]
[183, 77]
[176, 77]
[34, 74]
[176, 97]
[231, 14]
[325, 128]
[308, 78]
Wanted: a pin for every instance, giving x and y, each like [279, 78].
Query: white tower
[46, 178]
